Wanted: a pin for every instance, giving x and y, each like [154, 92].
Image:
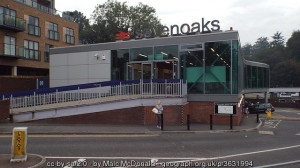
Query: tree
[247, 51]
[285, 74]
[278, 40]
[85, 31]
[115, 16]
[261, 43]
[293, 44]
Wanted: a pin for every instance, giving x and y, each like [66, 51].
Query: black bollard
[231, 118]
[188, 122]
[257, 117]
[211, 122]
[162, 122]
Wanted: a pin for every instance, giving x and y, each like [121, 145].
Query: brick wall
[24, 10]
[8, 85]
[123, 116]
[200, 113]
[4, 110]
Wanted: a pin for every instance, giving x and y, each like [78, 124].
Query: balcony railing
[11, 51]
[12, 22]
[45, 9]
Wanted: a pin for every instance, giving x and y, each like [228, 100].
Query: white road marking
[298, 134]
[182, 159]
[271, 123]
[266, 132]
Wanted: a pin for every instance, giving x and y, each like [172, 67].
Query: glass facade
[208, 68]
[256, 77]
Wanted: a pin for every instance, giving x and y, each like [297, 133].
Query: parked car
[261, 108]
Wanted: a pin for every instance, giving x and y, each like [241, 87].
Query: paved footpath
[247, 124]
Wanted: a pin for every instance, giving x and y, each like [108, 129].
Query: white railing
[102, 94]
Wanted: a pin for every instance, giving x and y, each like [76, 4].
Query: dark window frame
[53, 29]
[34, 26]
[28, 50]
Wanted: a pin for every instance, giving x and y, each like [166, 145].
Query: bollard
[211, 122]
[188, 122]
[231, 118]
[257, 117]
[162, 122]
[19, 145]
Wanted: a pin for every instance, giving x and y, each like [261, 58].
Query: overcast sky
[252, 18]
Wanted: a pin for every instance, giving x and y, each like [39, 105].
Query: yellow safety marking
[86, 136]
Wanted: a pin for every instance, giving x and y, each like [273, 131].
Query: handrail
[12, 21]
[11, 50]
[46, 9]
[83, 86]
[103, 92]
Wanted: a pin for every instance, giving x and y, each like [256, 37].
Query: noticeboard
[225, 109]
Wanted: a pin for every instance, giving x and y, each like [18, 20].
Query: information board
[225, 109]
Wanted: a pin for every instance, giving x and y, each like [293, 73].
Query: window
[53, 31]
[31, 50]
[47, 52]
[7, 16]
[69, 36]
[33, 26]
[9, 45]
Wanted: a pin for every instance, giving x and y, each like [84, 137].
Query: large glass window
[53, 31]
[33, 26]
[235, 55]
[9, 45]
[31, 50]
[119, 64]
[165, 53]
[141, 54]
[70, 39]
[256, 77]
[218, 67]
[47, 52]
[192, 70]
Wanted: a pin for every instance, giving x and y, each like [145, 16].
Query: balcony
[12, 23]
[11, 51]
[46, 9]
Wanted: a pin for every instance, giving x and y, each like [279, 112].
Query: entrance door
[147, 70]
[166, 70]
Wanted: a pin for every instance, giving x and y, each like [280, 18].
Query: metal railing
[46, 9]
[117, 91]
[12, 22]
[10, 50]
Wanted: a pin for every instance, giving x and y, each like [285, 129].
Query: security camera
[97, 56]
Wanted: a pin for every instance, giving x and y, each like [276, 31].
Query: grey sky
[252, 18]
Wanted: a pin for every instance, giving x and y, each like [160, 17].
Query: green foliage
[284, 61]
[114, 16]
[293, 44]
[278, 40]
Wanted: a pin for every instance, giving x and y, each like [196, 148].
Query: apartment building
[28, 28]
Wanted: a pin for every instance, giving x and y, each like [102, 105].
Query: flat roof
[157, 41]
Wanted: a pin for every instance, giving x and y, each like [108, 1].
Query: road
[240, 149]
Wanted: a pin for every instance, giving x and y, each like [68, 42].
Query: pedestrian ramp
[94, 97]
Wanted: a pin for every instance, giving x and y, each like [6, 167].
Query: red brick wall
[123, 116]
[172, 115]
[200, 113]
[44, 17]
[4, 110]
[8, 85]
